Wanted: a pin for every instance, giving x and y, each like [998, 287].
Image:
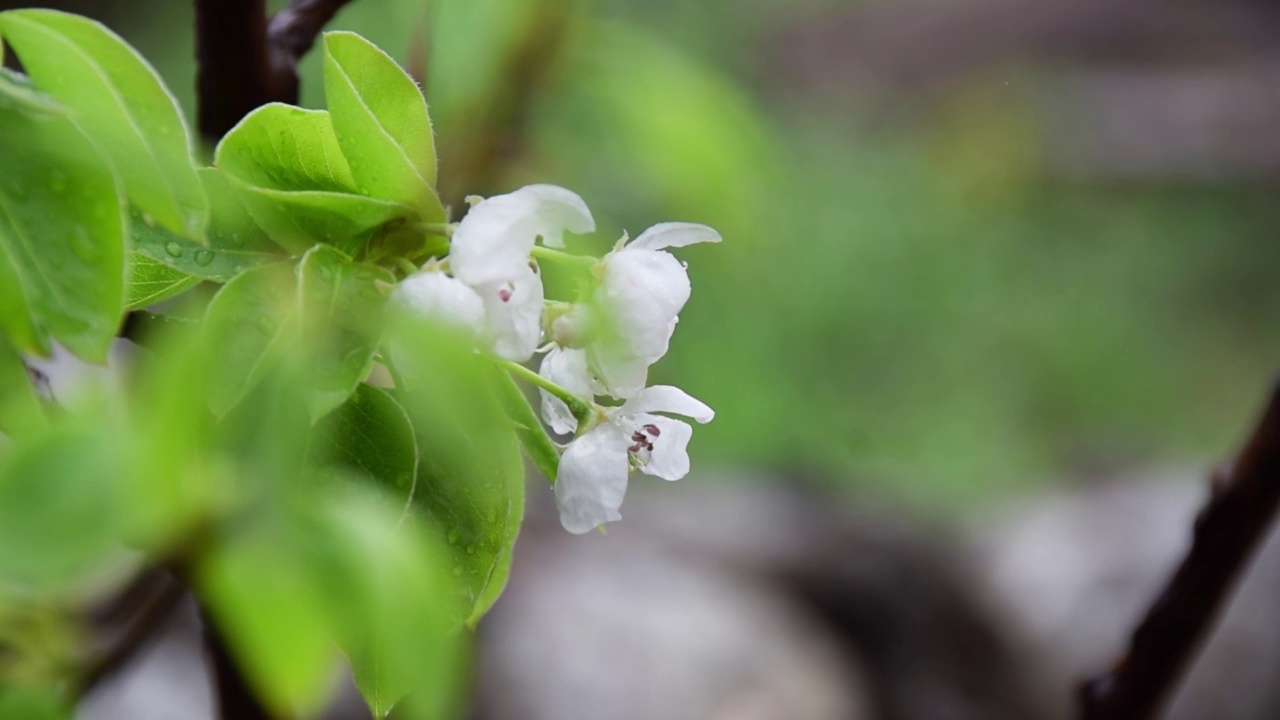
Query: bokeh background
[979, 254]
[971, 245]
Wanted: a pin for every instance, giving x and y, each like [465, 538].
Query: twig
[291, 34]
[232, 75]
[236, 701]
[246, 61]
[154, 605]
[1227, 530]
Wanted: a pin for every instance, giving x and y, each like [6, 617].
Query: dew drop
[457, 571]
[471, 549]
[203, 257]
[453, 537]
[173, 249]
[82, 244]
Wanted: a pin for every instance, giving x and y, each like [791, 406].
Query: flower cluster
[599, 347]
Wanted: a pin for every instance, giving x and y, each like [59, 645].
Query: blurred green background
[939, 281]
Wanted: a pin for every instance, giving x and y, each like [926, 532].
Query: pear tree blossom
[596, 465]
[490, 287]
[489, 257]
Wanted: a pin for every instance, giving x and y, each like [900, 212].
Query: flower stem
[564, 258]
[580, 408]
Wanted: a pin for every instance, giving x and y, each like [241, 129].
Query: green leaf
[381, 123]
[61, 238]
[235, 243]
[120, 103]
[293, 178]
[470, 473]
[20, 407]
[249, 321]
[326, 307]
[57, 513]
[341, 310]
[32, 703]
[371, 434]
[151, 281]
[388, 589]
[533, 436]
[17, 93]
[266, 602]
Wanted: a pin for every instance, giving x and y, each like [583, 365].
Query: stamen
[504, 294]
[652, 430]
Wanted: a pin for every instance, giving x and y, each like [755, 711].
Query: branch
[232, 63]
[236, 701]
[1242, 504]
[153, 606]
[245, 61]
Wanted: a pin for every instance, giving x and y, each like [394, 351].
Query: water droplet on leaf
[203, 257]
[173, 249]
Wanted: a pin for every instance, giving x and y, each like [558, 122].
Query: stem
[235, 699]
[232, 75]
[564, 258]
[580, 408]
[1242, 503]
[291, 34]
[537, 444]
[156, 605]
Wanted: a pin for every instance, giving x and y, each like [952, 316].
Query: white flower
[592, 479]
[493, 242]
[494, 289]
[433, 294]
[513, 315]
[568, 369]
[642, 290]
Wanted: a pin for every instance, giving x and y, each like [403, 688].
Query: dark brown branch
[246, 61]
[1227, 530]
[232, 75]
[152, 599]
[236, 701]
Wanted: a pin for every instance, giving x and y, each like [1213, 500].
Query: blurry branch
[235, 701]
[245, 61]
[142, 607]
[1242, 504]
[483, 142]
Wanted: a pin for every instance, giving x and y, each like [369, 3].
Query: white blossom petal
[513, 316]
[558, 210]
[568, 369]
[674, 234]
[635, 278]
[493, 241]
[434, 295]
[592, 480]
[669, 458]
[666, 399]
[621, 376]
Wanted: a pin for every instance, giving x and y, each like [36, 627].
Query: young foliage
[233, 241]
[371, 434]
[295, 181]
[119, 101]
[381, 122]
[61, 238]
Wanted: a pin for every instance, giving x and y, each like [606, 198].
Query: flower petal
[621, 376]
[669, 458]
[592, 480]
[558, 210]
[568, 369]
[513, 316]
[666, 399]
[493, 241]
[433, 294]
[634, 279]
[674, 234]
